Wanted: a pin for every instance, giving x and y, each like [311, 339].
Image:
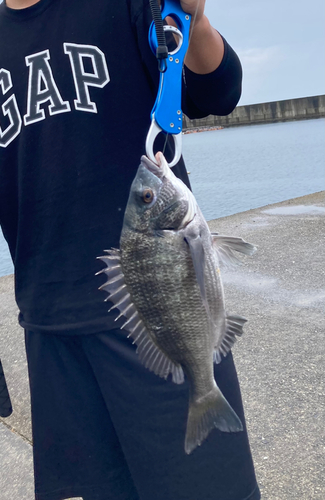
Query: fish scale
[160, 274]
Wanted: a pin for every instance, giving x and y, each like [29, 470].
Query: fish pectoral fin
[234, 329]
[195, 243]
[149, 353]
[212, 410]
[226, 246]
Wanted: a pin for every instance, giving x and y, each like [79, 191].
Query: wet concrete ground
[280, 359]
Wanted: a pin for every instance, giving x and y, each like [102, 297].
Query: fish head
[158, 199]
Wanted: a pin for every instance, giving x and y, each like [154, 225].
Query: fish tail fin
[213, 410]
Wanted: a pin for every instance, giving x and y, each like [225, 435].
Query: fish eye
[147, 195]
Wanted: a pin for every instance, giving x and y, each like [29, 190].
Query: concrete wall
[267, 112]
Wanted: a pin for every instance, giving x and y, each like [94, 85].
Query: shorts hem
[71, 492]
[255, 495]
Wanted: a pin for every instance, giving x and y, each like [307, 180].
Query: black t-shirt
[77, 84]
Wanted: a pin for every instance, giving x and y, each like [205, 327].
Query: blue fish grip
[167, 110]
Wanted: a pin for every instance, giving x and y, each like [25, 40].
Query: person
[77, 83]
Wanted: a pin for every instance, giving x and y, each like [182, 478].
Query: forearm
[215, 93]
[206, 48]
[212, 87]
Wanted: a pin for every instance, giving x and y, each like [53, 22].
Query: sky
[281, 45]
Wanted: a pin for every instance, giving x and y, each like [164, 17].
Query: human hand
[194, 7]
[206, 47]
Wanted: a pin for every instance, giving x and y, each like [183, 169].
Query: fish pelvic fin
[234, 329]
[228, 247]
[211, 411]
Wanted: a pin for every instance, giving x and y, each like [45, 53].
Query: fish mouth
[149, 164]
[160, 168]
[163, 171]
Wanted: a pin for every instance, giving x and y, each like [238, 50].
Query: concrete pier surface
[280, 358]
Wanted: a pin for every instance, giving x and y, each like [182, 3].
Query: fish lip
[151, 166]
[162, 170]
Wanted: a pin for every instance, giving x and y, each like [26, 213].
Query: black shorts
[105, 428]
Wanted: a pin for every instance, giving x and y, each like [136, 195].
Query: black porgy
[165, 279]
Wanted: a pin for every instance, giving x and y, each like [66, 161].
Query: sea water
[236, 169]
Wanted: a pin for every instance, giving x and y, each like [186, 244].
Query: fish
[165, 280]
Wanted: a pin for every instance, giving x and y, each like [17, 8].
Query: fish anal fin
[234, 329]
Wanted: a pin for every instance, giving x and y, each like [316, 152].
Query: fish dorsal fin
[234, 329]
[149, 353]
[226, 246]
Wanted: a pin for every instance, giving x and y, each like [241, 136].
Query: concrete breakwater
[267, 112]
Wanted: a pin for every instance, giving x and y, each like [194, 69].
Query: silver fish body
[165, 280]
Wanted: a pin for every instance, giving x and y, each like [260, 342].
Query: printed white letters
[99, 77]
[10, 109]
[42, 88]
[89, 69]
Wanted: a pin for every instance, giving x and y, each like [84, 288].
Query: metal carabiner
[152, 135]
[166, 114]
